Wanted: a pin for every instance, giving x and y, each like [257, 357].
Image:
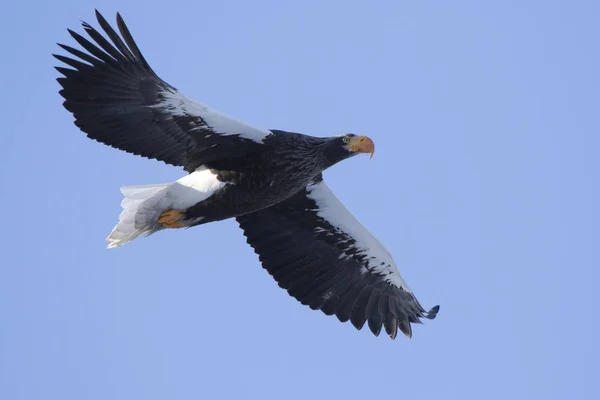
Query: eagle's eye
[346, 139]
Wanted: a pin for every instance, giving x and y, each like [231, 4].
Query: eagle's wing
[319, 252]
[117, 99]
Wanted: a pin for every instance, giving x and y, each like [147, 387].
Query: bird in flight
[270, 181]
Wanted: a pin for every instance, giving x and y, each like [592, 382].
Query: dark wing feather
[117, 99]
[316, 250]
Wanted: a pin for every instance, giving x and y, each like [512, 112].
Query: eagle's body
[263, 178]
[269, 180]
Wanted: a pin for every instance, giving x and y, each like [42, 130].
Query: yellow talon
[171, 219]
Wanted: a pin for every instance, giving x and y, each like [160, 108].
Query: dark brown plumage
[270, 180]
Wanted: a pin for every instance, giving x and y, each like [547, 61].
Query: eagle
[269, 180]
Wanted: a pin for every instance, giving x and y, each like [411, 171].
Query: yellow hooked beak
[361, 144]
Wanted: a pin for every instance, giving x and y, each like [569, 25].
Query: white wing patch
[180, 105]
[332, 210]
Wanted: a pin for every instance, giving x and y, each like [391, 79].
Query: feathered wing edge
[325, 267]
[109, 91]
[117, 99]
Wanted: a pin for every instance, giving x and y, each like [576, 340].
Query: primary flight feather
[269, 180]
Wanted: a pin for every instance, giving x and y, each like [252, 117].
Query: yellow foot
[171, 219]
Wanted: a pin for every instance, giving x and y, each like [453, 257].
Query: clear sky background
[484, 187]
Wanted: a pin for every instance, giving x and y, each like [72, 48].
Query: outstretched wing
[319, 252]
[117, 99]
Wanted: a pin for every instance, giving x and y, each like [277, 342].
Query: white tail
[142, 206]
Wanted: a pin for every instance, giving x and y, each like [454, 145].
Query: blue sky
[484, 187]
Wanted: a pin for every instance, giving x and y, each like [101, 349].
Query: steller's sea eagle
[269, 180]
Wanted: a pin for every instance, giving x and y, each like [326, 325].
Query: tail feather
[141, 207]
[144, 204]
[142, 191]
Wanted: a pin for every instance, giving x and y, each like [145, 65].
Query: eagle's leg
[172, 219]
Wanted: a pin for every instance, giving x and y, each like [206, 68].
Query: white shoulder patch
[179, 105]
[332, 210]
